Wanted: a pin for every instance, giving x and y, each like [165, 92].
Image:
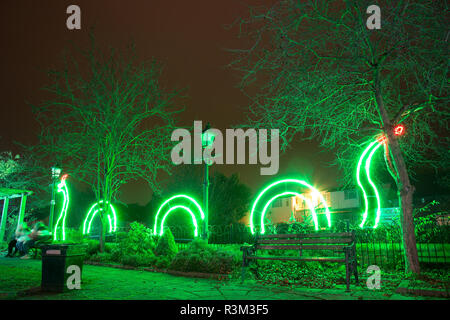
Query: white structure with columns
[6, 195]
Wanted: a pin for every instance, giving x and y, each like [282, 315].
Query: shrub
[73, 236]
[101, 257]
[130, 260]
[166, 245]
[93, 247]
[162, 262]
[201, 257]
[137, 242]
[133, 248]
[3, 245]
[311, 274]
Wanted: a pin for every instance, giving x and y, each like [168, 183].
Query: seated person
[20, 235]
[40, 233]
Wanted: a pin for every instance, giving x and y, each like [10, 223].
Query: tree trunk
[405, 193]
[405, 190]
[102, 234]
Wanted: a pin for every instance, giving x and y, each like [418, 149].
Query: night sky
[187, 37]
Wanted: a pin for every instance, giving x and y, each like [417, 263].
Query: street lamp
[207, 142]
[56, 172]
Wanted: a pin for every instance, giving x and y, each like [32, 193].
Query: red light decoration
[64, 177]
[399, 130]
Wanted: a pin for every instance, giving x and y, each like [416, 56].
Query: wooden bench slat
[329, 259]
[307, 235]
[302, 247]
[305, 241]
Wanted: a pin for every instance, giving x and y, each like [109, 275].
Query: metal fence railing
[382, 246]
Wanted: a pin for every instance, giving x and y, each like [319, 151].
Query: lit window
[277, 203]
[349, 194]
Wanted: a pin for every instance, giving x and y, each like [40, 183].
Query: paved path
[20, 279]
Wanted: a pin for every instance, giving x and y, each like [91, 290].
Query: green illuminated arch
[290, 184]
[62, 187]
[369, 152]
[180, 201]
[93, 210]
[194, 220]
[309, 203]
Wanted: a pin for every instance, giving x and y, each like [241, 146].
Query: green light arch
[178, 202]
[62, 187]
[294, 183]
[194, 220]
[367, 155]
[93, 210]
[310, 205]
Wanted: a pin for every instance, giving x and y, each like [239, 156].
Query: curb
[403, 288]
[215, 276]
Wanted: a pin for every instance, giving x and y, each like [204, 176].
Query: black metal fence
[382, 246]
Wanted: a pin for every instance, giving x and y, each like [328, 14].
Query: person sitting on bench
[39, 233]
[21, 235]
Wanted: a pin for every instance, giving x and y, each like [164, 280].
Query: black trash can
[58, 264]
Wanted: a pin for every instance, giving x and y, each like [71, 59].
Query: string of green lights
[62, 187]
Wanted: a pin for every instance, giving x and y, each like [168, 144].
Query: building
[344, 205]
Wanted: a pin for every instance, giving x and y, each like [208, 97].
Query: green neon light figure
[62, 187]
[358, 180]
[194, 220]
[180, 198]
[93, 210]
[309, 203]
[290, 181]
[370, 150]
[367, 167]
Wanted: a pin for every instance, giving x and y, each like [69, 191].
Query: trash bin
[56, 260]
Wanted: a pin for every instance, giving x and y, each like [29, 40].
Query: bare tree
[19, 172]
[319, 72]
[109, 121]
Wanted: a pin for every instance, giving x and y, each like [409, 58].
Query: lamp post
[55, 175]
[207, 142]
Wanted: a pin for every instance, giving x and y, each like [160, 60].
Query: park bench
[341, 244]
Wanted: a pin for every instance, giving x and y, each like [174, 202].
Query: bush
[134, 248]
[93, 247]
[139, 240]
[293, 228]
[129, 260]
[73, 236]
[201, 257]
[101, 257]
[162, 262]
[166, 245]
[311, 274]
